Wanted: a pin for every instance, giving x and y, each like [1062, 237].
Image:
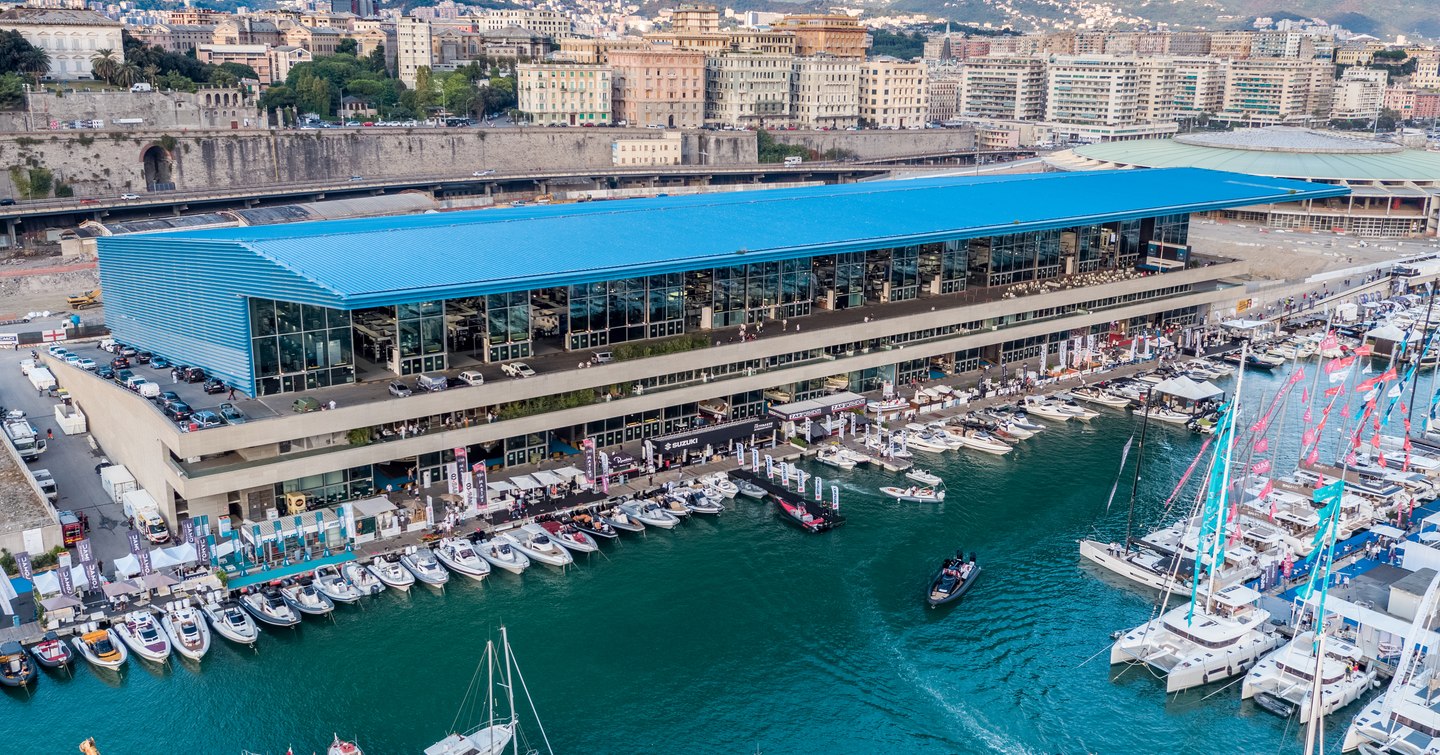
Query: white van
[471, 377]
[26, 365]
[431, 383]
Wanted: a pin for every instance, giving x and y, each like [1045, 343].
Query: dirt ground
[37, 285]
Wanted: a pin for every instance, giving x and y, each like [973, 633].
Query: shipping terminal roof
[393, 260]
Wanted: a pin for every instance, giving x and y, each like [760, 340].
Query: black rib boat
[948, 584]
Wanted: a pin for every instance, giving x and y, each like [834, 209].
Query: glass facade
[631, 309]
[420, 332]
[330, 488]
[759, 291]
[507, 323]
[297, 347]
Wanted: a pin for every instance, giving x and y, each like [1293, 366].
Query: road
[70, 460]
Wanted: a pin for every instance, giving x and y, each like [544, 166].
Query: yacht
[1283, 681]
[142, 633]
[980, 440]
[927, 441]
[834, 456]
[333, 585]
[230, 621]
[186, 629]
[500, 675]
[567, 535]
[269, 607]
[391, 572]
[1101, 397]
[1165, 414]
[923, 477]
[1074, 409]
[1227, 635]
[459, 555]
[102, 648]
[537, 546]
[362, 578]
[302, 596]
[721, 482]
[503, 555]
[421, 562]
[650, 514]
[1045, 409]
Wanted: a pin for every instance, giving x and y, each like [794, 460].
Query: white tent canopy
[500, 486]
[127, 566]
[548, 478]
[526, 482]
[1184, 387]
[48, 583]
[1386, 332]
[569, 473]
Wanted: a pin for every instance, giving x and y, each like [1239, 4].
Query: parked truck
[117, 481]
[144, 515]
[25, 438]
[42, 378]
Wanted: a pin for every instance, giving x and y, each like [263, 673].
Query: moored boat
[362, 578]
[102, 648]
[333, 585]
[302, 596]
[139, 630]
[16, 669]
[750, 489]
[1226, 635]
[799, 513]
[953, 580]
[186, 630]
[650, 514]
[538, 546]
[833, 456]
[1045, 409]
[1284, 681]
[923, 477]
[621, 521]
[52, 652]
[567, 535]
[459, 555]
[391, 572]
[229, 620]
[595, 527]
[268, 606]
[503, 555]
[421, 562]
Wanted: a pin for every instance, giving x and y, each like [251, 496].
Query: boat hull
[269, 619]
[935, 598]
[516, 563]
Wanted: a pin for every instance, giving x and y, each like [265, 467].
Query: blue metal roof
[390, 260]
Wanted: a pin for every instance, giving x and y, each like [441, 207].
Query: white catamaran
[500, 731]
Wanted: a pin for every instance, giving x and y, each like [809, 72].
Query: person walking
[231, 397]
[49, 434]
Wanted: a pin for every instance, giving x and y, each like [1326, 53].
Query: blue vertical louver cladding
[189, 302]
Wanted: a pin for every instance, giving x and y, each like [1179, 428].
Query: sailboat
[501, 728]
[1405, 718]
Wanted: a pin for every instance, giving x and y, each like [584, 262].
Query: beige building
[594, 51]
[943, 98]
[893, 93]
[1360, 93]
[1199, 85]
[658, 87]
[368, 40]
[69, 37]
[318, 40]
[413, 48]
[564, 93]
[695, 19]
[665, 150]
[825, 92]
[245, 30]
[1230, 44]
[747, 89]
[285, 57]
[255, 56]
[829, 34]
[1105, 98]
[1402, 100]
[1271, 91]
[1005, 87]
[1427, 70]
[181, 38]
[545, 22]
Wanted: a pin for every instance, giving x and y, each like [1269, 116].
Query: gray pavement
[70, 460]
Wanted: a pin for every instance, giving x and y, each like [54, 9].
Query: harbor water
[737, 634]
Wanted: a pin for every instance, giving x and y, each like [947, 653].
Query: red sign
[50, 336]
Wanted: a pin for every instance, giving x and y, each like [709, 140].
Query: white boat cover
[1184, 387]
[1386, 332]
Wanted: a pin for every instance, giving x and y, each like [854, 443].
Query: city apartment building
[69, 37]
[825, 92]
[668, 149]
[181, 38]
[1003, 87]
[414, 48]
[1199, 85]
[694, 18]
[285, 57]
[1231, 45]
[257, 57]
[247, 30]
[922, 257]
[747, 89]
[658, 87]
[318, 40]
[1105, 98]
[564, 93]
[824, 34]
[1427, 70]
[1360, 93]
[1277, 91]
[594, 51]
[893, 93]
[942, 99]
[549, 23]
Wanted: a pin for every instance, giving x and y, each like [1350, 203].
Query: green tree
[17, 55]
[426, 88]
[278, 97]
[151, 73]
[104, 64]
[498, 96]
[222, 78]
[375, 61]
[347, 46]
[239, 71]
[457, 93]
[127, 74]
[12, 91]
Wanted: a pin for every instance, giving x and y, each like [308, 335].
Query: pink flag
[1329, 341]
[1307, 414]
[1374, 441]
[1333, 392]
[1261, 467]
[1308, 437]
[1261, 445]
[1304, 395]
[1380, 458]
[1364, 351]
[1314, 456]
[1268, 489]
[1335, 365]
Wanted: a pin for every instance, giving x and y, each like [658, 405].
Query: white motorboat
[361, 578]
[1013, 430]
[102, 648]
[302, 596]
[674, 505]
[834, 456]
[391, 572]
[856, 456]
[567, 535]
[421, 562]
[503, 555]
[888, 405]
[1019, 419]
[624, 522]
[1166, 415]
[229, 620]
[268, 606]
[926, 442]
[650, 514]
[696, 501]
[750, 489]
[923, 477]
[1046, 409]
[1074, 409]
[981, 440]
[721, 482]
[139, 630]
[186, 630]
[329, 581]
[460, 556]
[1227, 635]
[1283, 681]
[916, 494]
[538, 546]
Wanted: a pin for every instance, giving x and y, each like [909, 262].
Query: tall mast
[510, 693]
[490, 681]
[1139, 459]
[1221, 509]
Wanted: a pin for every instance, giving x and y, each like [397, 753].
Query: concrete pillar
[10, 232]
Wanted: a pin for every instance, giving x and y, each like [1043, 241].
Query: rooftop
[61, 16]
[1274, 151]
[390, 260]
[21, 508]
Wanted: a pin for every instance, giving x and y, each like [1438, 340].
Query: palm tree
[35, 62]
[127, 74]
[104, 64]
[152, 72]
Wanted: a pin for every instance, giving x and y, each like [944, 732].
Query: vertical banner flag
[467, 477]
[819, 489]
[85, 550]
[92, 574]
[187, 531]
[67, 578]
[22, 563]
[835, 497]
[134, 537]
[588, 445]
[482, 485]
[452, 479]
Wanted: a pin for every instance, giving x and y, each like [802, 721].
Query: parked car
[159, 363]
[206, 418]
[480, 173]
[517, 370]
[123, 376]
[305, 404]
[216, 385]
[472, 377]
[144, 357]
[399, 389]
[85, 363]
[57, 350]
[178, 411]
[193, 375]
[231, 415]
[120, 363]
[166, 398]
[128, 351]
[602, 357]
[72, 359]
[105, 371]
[128, 195]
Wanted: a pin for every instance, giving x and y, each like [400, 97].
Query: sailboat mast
[1221, 510]
[510, 692]
[490, 681]
[1425, 347]
[1139, 459]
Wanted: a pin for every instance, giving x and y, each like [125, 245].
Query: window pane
[292, 353]
[262, 317]
[267, 357]
[288, 316]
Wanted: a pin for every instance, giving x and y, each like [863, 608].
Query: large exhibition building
[705, 313]
[1394, 191]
